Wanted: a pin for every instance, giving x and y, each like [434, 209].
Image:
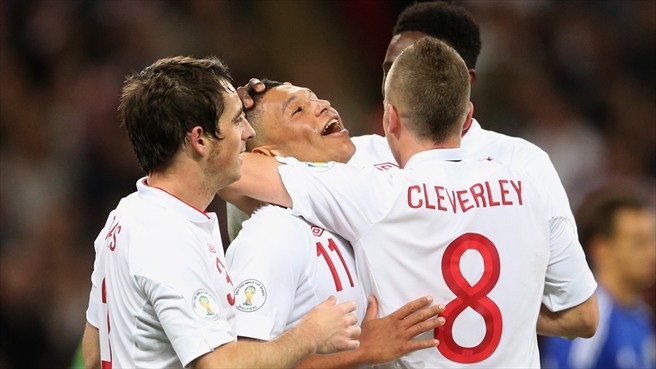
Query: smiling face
[293, 121]
[234, 130]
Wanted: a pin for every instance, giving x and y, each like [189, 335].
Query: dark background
[575, 77]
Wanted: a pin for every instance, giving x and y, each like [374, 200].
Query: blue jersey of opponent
[625, 339]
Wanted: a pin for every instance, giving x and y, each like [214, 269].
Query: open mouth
[332, 126]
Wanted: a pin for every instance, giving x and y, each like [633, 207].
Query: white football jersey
[161, 294]
[370, 150]
[476, 235]
[283, 267]
[482, 144]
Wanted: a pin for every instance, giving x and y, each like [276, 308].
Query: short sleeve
[267, 261]
[569, 280]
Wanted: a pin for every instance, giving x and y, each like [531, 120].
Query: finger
[353, 332]
[352, 344]
[421, 344]
[424, 314]
[352, 319]
[411, 307]
[330, 301]
[348, 306]
[372, 309]
[256, 84]
[246, 99]
[425, 326]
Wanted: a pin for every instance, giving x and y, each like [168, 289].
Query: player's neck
[183, 187]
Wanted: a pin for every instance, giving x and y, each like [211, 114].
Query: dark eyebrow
[286, 103]
[294, 97]
[239, 113]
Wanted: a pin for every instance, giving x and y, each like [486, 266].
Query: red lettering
[489, 195]
[440, 197]
[428, 205]
[412, 204]
[518, 188]
[477, 192]
[463, 201]
[113, 231]
[504, 192]
[452, 200]
[229, 296]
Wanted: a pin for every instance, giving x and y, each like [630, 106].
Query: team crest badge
[205, 305]
[250, 295]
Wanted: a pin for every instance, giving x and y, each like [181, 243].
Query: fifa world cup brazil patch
[250, 295]
[205, 305]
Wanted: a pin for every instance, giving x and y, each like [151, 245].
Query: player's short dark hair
[446, 21]
[597, 214]
[162, 103]
[254, 114]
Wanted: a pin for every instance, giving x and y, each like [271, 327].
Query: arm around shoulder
[328, 328]
[257, 170]
[578, 321]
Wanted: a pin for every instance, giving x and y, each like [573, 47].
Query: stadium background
[575, 77]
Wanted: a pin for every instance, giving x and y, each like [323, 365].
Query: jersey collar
[171, 202]
[437, 154]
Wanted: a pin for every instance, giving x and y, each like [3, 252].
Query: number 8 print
[474, 297]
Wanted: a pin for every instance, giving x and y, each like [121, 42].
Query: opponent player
[618, 233]
[475, 233]
[161, 295]
[283, 265]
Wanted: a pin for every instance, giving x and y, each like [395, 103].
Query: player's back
[283, 267]
[476, 240]
[472, 234]
[149, 245]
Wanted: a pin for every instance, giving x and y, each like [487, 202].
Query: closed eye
[297, 110]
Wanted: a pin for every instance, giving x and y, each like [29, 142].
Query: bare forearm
[260, 180]
[579, 321]
[327, 328]
[91, 347]
[341, 360]
[284, 352]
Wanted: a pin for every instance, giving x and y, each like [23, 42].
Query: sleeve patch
[250, 295]
[205, 305]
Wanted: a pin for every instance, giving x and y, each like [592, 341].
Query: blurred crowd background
[578, 78]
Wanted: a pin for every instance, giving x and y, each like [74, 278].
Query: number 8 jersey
[477, 235]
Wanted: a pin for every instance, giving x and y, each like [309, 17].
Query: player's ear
[197, 140]
[469, 118]
[264, 150]
[393, 114]
[472, 77]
